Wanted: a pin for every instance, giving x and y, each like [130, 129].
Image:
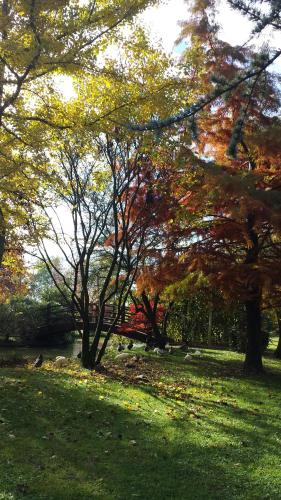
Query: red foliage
[139, 320]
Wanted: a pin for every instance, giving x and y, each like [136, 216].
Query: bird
[120, 347]
[38, 361]
[130, 345]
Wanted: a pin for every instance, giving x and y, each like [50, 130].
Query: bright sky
[163, 22]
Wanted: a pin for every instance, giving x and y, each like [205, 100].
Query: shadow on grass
[63, 439]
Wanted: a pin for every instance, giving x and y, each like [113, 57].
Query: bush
[7, 322]
[23, 317]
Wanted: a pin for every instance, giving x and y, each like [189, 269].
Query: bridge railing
[53, 313]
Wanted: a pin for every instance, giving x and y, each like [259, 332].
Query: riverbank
[165, 429]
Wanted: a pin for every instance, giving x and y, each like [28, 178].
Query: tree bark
[151, 316]
[85, 356]
[253, 358]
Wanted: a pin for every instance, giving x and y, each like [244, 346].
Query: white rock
[197, 353]
[187, 357]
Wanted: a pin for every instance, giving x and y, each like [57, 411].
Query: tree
[236, 201]
[230, 206]
[159, 263]
[96, 183]
[13, 275]
[204, 13]
[39, 40]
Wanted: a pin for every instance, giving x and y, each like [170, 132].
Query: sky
[163, 22]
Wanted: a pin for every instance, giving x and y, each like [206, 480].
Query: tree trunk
[278, 349]
[253, 359]
[85, 356]
[166, 319]
[97, 335]
[151, 316]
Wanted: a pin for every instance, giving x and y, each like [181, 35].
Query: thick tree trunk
[85, 355]
[278, 349]
[151, 316]
[97, 335]
[253, 359]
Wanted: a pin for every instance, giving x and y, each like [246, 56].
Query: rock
[187, 357]
[197, 353]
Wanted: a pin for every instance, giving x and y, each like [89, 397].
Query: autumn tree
[233, 202]
[230, 205]
[13, 275]
[204, 12]
[95, 184]
[40, 40]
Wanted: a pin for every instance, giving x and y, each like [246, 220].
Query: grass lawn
[197, 430]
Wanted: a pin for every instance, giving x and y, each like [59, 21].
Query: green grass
[194, 431]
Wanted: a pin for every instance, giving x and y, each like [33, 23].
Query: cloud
[163, 22]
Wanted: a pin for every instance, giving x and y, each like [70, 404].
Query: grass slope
[189, 431]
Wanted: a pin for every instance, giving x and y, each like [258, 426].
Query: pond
[69, 351]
